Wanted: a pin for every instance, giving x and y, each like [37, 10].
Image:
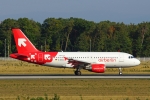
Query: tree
[75, 34]
[67, 30]
[52, 31]
[32, 30]
[5, 33]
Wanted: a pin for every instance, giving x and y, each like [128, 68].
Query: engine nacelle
[98, 68]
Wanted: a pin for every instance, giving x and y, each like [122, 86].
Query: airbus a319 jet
[92, 61]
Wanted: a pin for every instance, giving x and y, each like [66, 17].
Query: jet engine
[97, 68]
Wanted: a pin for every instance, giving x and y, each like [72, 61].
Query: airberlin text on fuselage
[107, 60]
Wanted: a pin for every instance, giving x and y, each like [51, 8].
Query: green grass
[73, 89]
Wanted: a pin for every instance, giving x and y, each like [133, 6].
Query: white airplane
[92, 61]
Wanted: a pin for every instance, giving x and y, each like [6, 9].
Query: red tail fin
[23, 44]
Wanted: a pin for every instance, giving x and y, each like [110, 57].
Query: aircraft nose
[138, 62]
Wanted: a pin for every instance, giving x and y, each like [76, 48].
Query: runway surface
[71, 76]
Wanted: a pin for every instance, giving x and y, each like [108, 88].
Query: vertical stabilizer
[23, 44]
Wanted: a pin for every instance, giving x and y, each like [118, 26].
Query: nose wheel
[120, 71]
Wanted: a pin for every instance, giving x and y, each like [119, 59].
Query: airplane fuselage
[60, 59]
[110, 59]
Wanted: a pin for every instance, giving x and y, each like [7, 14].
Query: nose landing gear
[120, 71]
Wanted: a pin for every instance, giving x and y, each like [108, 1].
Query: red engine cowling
[98, 68]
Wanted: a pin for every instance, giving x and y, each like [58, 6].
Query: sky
[126, 11]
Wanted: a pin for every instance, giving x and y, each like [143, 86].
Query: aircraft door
[121, 57]
[40, 57]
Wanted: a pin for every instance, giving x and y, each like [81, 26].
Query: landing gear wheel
[120, 71]
[77, 72]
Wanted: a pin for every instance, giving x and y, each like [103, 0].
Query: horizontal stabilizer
[15, 55]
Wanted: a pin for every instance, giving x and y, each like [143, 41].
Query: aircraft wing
[78, 62]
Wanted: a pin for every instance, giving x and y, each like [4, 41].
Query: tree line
[76, 34]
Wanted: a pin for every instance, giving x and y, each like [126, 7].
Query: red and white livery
[93, 61]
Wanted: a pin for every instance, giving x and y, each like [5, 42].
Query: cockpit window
[131, 57]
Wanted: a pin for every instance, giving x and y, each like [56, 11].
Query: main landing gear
[120, 71]
[77, 71]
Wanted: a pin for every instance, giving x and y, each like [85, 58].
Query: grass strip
[74, 89]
